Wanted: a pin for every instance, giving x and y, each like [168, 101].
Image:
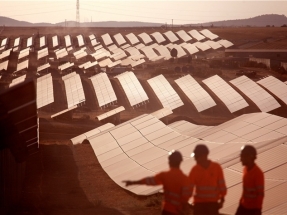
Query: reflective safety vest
[253, 188]
[176, 186]
[208, 185]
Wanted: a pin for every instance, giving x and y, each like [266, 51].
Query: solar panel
[201, 46]
[5, 54]
[195, 34]
[42, 67]
[24, 53]
[29, 41]
[109, 63]
[61, 53]
[163, 51]
[158, 37]
[207, 33]
[190, 48]
[233, 100]
[42, 53]
[101, 53]
[45, 94]
[65, 66]
[110, 113]
[68, 40]
[162, 113]
[103, 88]
[74, 89]
[180, 51]
[165, 93]
[275, 86]
[225, 43]
[120, 39]
[42, 41]
[55, 41]
[132, 39]
[261, 60]
[150, 53]
[133, 51]
[4, 42]
[132, 88]
[145, 38]
[171, 36]
[4, 65]
[195, 93]
[264, 101]
[80, 39]
[80, 53]
[213, 44]
[16, 42]
[79, 139]
[183, 36]
[22, 65]
[107, 39]
[18, 80]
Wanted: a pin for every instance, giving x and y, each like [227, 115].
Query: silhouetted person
[208, 183]
[175, 183]
[253, 183]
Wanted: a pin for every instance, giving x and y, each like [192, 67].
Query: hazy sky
[162, 11]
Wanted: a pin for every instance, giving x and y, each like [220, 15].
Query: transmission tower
[78, 14]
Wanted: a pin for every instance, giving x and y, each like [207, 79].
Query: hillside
[258, 21]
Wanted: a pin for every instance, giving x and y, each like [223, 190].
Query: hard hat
[199, 150]
[248, 150]
[175, 156]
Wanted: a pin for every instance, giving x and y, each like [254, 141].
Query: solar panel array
[107, 39]
[4, 65]
[132, 88]
[120, 39]
[42, 53]
[55, 41]
[5, 54]
[60, 53]
[79, 139]
[183, 36]
[29, 42]
[42, 67]
[4, 42]
[145, 38]
[165, 93]
[264, 61]
[195, 93]
[232, 99]
[65, 66]
[74, 89]
[158, 37]
[103, 88]
[275, 86]
[207, 33]
[201, 46]
[132, 39]
[68, 40]
[24, 53]
[225, 43]
[22, 65]
[17, 42]
[190, 48]
[80, 40]
[195, 34]
[171, 36]
[45, 94]
[18, 80]
[42, 41]
[258, 95]
[213, 44]
[110, 113]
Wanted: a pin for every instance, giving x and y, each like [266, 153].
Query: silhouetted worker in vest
[175, 183]
[208, 183]
[253, 183]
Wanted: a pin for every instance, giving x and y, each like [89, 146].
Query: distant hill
[258, 21]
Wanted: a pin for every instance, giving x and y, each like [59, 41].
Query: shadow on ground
[52, 186]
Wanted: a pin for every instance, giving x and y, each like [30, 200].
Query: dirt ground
[62, 179]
